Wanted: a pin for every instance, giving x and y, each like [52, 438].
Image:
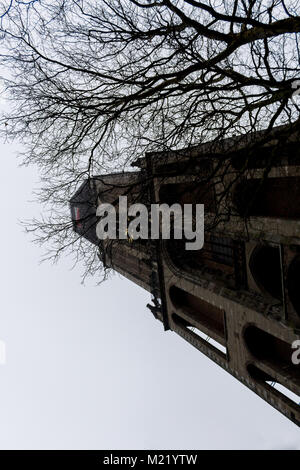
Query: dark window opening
[195, 333]
[293, 283]
[267, 156]
[188, 193]
[274, 197]
[199, 310]
[221, 258]
[265, 267]
[274, 351]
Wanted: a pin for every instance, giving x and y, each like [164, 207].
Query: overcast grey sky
[89, 367]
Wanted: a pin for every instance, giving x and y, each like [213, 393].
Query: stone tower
[237, 300]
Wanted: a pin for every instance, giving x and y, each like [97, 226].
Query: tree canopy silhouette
[95, 84]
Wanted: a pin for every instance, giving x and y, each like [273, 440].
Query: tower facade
[237, 300]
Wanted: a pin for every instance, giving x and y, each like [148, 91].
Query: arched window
[276, 352]
[193, 333]
[265, 267]
[216, 251]
[198, 310]
[221, 258]
[274, 387]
